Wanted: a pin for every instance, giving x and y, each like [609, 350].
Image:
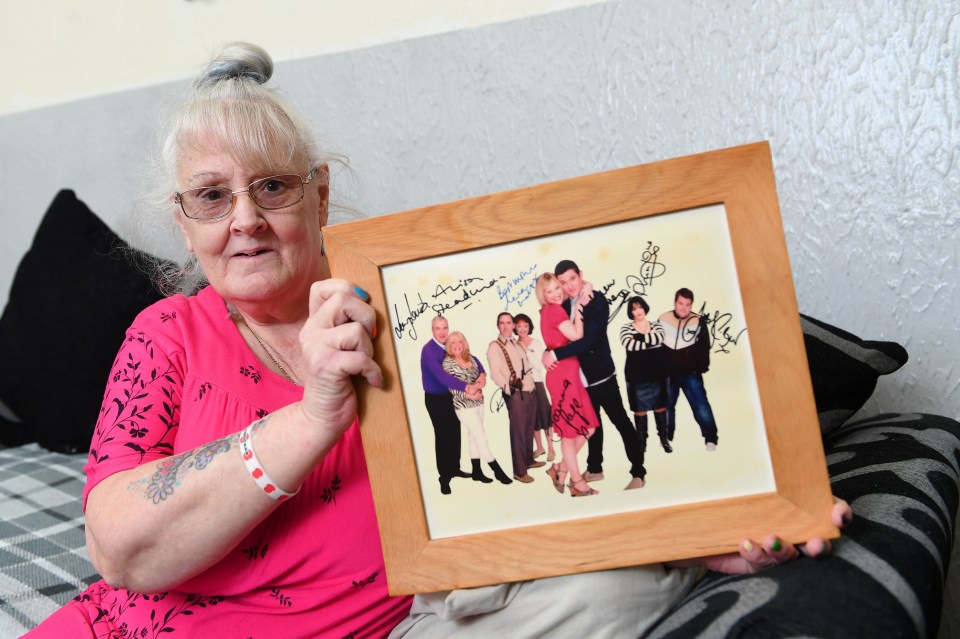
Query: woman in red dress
[573, 416]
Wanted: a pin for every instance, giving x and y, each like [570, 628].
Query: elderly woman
[227, 492]
[226, 476]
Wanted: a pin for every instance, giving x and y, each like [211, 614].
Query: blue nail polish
[362, 293]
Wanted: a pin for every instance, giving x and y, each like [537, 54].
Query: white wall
[60, 51]
[860, 102]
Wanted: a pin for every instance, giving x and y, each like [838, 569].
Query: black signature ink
[497, 401]
[650, 268]
[467, 293]
[413, 312]
[616, 300]
[442, 290]
[568, 416]
[722, 335]
[635, 283]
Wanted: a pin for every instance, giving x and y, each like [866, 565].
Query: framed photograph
[706, 225]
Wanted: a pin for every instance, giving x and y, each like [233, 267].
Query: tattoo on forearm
[205, 453]
[171, 471]
[260, 423]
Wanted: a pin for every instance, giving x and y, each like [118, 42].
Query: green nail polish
[776, 546]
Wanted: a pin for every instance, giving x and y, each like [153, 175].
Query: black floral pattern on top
[364, 582]
[141, 413]
[126, 412]
[281, 598]
[257, 550]
[108, 614]
[252, 372]
[329, 494]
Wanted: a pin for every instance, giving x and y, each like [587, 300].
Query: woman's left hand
[586, 294]
[754, 557]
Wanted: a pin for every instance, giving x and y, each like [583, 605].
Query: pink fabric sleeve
[140, 412]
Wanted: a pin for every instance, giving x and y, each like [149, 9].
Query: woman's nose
[247, 216]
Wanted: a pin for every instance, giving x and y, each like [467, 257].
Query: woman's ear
[322, 174]
[181, 224]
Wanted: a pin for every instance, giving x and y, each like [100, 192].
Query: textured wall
[859, 101]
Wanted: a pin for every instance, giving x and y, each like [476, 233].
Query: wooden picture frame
[791, 495]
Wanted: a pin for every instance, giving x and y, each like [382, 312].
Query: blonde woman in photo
[573, 416]
[469, 406]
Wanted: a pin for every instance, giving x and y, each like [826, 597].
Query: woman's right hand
[336, 346]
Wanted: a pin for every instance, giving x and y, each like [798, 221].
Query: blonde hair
[228, 106]
[466, 345]
[541, 286]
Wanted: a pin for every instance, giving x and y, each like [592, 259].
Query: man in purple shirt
[436, 389]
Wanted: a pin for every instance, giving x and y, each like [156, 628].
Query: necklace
[266, 350]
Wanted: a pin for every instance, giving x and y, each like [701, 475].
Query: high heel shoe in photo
[576, 492]
[554, 474]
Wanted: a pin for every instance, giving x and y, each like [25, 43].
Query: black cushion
[844, 369]
[74, 294]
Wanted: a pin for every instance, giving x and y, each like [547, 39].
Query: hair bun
[238, 60]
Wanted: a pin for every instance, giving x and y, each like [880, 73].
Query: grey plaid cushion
[43, 556]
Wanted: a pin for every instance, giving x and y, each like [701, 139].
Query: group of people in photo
[555, 389]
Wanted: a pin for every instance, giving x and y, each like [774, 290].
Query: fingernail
[748, 546]
[373, 333]
[776, 545]
[362, 293]
[846, 518]
[383, 382]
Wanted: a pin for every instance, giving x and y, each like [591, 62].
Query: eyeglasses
[269, 193]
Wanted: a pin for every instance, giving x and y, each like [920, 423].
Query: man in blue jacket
[436, 389]
[596, 364]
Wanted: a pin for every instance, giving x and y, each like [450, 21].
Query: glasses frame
[177, 197]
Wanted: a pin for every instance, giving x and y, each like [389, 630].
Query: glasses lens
[205, 203]
[277, 192]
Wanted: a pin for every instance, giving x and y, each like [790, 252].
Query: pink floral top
[184, 377]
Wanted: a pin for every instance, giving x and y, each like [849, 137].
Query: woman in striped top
[644, 370]
[469, 407]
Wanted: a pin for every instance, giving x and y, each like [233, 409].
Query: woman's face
[252, 255]
[522, 328]
[553, 294]
[456, 347]
[639, 315]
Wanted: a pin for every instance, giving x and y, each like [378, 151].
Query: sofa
[900, 471]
